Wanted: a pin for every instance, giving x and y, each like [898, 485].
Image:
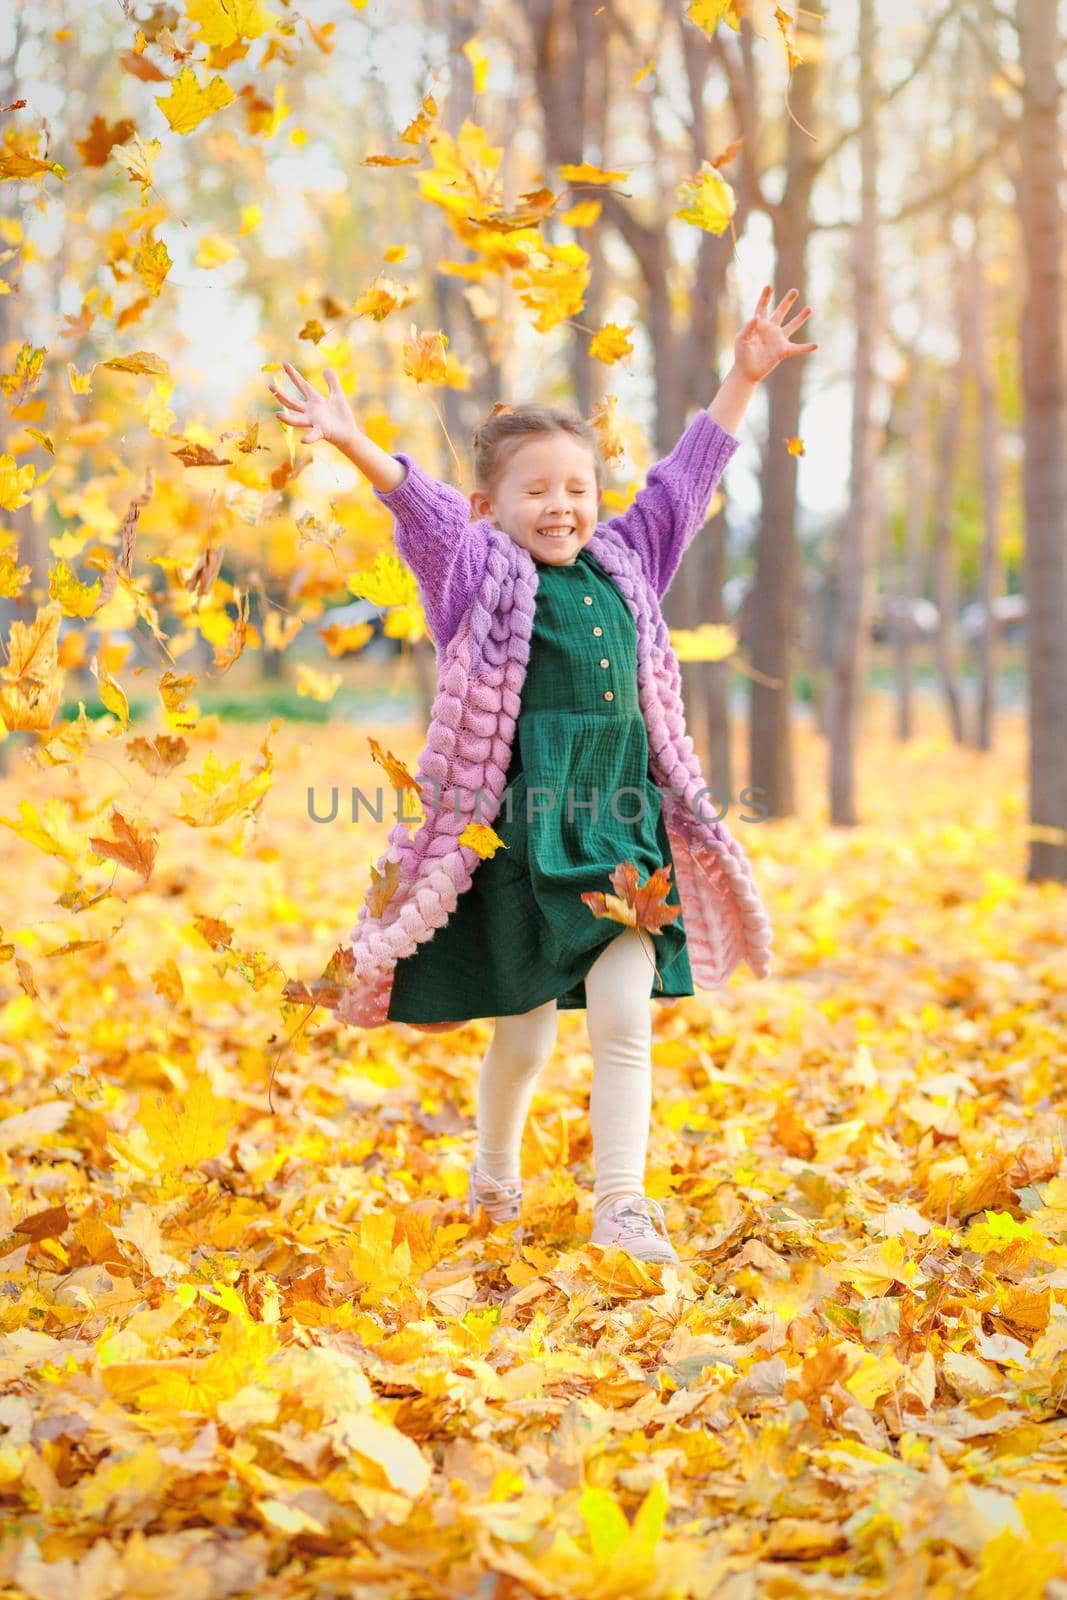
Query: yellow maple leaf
[552, 281]
[15, 484]
[13, 578]
[405, 622]
[383, 297]
[583, 214]
[610, 343]
[874, 1270]
[1011, 1568]
[874, 1376]
[387, 583]
[50, 831]
[30, 698]
[708, 200]
[221, 792]
[585, 172]
[188, 105]
[78, 599]
[188, 1127]
[998, 1231]
[482, 839]
[345, 641]
[111, 693]
[80, 383]
[224, 23]
[152, 263]
[707, 14]
[711, 641]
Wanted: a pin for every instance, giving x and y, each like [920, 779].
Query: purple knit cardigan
[478, 589]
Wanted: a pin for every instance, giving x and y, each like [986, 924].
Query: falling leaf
[142, 361]
[130, 848]
[188, 105]
[610, 343]
[711, 641]
[708, 200]
[707, 14]
[584, 172]
[423, 356]
[76, 598]
[607, 422]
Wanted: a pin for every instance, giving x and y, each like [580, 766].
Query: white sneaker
[630, 1222]
[500, 1198]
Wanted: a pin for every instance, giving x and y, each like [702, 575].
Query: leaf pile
[252, 1353]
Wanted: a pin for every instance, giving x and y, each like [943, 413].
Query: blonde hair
[507, 427]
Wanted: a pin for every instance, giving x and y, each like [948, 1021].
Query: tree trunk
[910, 583]
[988, 441]
[851, 643]
[1044, 435]
[943, 573]
[774, 630]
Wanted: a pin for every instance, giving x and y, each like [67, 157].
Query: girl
[556, 680]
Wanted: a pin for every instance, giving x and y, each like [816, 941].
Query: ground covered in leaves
[255, 1346]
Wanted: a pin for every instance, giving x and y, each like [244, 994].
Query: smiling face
[545, 498]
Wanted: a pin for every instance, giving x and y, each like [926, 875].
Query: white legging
[618, 987]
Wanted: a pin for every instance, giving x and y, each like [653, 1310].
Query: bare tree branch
[898, 88]
[943, 191]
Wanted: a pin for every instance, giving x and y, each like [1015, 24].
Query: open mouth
[555, 533]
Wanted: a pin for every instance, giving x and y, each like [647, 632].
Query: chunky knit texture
[478, 589]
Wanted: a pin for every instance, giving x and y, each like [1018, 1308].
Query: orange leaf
[134, 850]
[637, 905]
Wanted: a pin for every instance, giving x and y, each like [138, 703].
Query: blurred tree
[1040, 177]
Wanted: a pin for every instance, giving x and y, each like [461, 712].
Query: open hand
[764, 340]
[327, 416]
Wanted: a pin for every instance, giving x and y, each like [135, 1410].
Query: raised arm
[433, 533]
[445, 550]
[668, 512]
[672, 506]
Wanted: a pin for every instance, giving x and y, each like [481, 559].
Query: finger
[800, 349]
[331, 380]
[761, 303]
[795, 322]
[783, 305]
[300, 381]
[294, 419]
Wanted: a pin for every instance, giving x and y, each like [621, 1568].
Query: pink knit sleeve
[670, 510]
[445, 550]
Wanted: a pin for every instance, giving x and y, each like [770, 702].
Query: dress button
[608, 695]
[598, 631]
[588, 598]
[603, 661]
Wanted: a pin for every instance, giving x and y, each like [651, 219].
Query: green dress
[521, 934]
